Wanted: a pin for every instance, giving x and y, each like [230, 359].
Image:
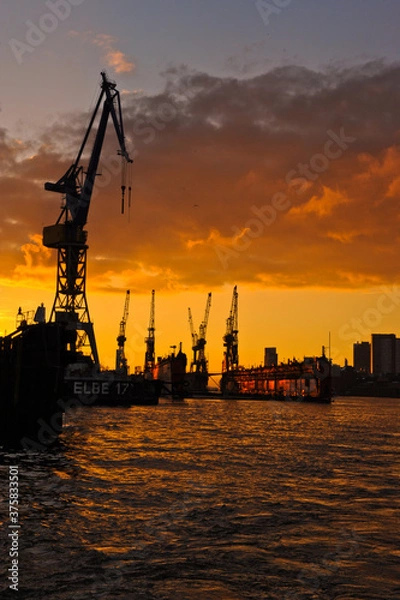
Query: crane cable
[123, 184]
[126, 177]
[129, 184]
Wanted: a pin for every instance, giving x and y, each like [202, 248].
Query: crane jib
[79, 193]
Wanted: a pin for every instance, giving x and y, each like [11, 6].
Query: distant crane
[121, 364]
[68, 234]
[149, 357]
[199, 362]
[231, 357]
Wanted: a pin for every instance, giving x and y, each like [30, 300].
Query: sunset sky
[266, 145]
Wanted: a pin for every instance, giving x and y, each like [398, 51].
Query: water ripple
[213, 501]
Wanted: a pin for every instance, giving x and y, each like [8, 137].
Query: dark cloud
[234, 180]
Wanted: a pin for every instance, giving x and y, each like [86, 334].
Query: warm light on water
[214, 500]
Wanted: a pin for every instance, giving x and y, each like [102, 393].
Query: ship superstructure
[170, 371]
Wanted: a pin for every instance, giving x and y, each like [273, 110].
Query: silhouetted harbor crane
[68, 235]
[199, 362]
[121, 363]
[149, 357]
[231, 355]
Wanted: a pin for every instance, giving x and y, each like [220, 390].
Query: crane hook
[123, 199]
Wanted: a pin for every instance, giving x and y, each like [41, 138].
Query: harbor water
[211, 500]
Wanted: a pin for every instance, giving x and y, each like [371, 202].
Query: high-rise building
[270, 357]
[383, 353]
[362, 357]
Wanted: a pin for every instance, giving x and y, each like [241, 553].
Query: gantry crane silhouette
[68, 235]
[199, 361]
[149, 358]
[231, 355]
[121, 363]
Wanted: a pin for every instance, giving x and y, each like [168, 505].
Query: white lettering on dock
[91, 387]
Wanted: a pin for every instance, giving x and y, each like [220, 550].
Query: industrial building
[362, 357]
[270, 357]
[383, 353]
[379, 357]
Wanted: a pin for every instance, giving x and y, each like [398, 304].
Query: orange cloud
[211, 206]
[36, 271]
[116, 59]
[321, 205]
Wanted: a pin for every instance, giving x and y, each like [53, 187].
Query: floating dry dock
[309, 381]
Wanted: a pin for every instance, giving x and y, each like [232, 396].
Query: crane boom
[78, 194]
[203, 326]
[192, 331]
